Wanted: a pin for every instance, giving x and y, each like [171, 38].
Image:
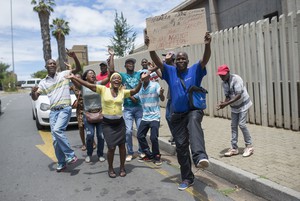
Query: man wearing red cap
[238, 98]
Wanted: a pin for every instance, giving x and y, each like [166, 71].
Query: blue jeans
[90, 133]
[142, 133]
[188, 131]
[131, 114]
[58, 123]
[239, 119]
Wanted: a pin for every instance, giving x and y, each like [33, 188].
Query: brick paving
[276, 151]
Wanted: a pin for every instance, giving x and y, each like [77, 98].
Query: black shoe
[157, 160]
[145, 159]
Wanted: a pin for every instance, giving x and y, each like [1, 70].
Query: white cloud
[91, 23]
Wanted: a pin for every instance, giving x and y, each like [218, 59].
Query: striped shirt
[232, 88]
[57, 89]
[149, 98]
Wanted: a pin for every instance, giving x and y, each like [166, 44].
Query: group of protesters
[133, 96]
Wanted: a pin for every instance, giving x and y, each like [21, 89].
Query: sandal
[112, 174]
[122, 173]
[83, 148]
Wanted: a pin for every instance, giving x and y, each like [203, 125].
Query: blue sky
[91, 23]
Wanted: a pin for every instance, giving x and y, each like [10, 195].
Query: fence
[266, 55]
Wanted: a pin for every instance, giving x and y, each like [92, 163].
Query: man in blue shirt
[186, 123]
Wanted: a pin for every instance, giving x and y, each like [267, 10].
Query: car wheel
[37, 123]
[33, 117]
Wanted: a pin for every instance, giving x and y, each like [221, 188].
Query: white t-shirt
[233, 87]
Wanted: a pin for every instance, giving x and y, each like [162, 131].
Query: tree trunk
[61, 52]
[45, 32]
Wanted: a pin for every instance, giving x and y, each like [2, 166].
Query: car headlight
[44, 107]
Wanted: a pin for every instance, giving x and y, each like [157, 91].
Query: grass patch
[227, 191]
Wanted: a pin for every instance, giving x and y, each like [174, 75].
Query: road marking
[165, 173]
[47, 147]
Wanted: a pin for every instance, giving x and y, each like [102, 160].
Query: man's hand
[207, 38]
[221, 105]
[70, 54]
[34, 89]
[161, 91]
[111, 51]
[68, 65]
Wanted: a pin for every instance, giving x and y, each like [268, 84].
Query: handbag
[94, 117]
[196, 96]
[75, 103]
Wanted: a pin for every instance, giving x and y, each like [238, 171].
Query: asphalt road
[28, 168]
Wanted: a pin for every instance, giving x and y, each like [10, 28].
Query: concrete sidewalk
[272, 172]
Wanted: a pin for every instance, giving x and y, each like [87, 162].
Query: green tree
[60, 28]
[40, 74]
[3, 70]
[44, 8]
[123, 40]
[7, 78]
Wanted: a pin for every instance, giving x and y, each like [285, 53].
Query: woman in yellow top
[113, 123]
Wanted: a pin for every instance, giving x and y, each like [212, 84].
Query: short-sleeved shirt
[57, 89]
[130, 81]
[91, 100]
[192, 77]
[232, 88]
[112, 106]
[149, 98]
[102, 76]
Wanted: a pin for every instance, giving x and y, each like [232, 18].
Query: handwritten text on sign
[176, 29]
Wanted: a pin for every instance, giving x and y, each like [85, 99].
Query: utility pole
[12, 38]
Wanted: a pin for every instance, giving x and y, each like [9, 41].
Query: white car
[41, 111]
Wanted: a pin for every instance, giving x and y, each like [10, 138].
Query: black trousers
[188, 134]
[141, 136]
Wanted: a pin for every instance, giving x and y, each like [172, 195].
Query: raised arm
[154, 68]
[154, 57]
[82, 82]
[138, 87]
[207, 50]
[77, 63]
[111, 63]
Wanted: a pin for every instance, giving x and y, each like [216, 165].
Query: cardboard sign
[176, 29]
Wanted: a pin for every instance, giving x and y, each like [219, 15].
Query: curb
[261, 187]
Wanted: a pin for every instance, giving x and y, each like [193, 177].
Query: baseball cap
[223, 70]
[130, 59]
[103, 63]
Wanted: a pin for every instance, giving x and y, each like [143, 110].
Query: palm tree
[60, 28]
[44, 8]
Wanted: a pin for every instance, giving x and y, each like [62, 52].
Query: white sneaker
[248, 151]
[101, 159]
[87, 159]
[231, 152]
[142, 155]
[129, 158]
[203, 163]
